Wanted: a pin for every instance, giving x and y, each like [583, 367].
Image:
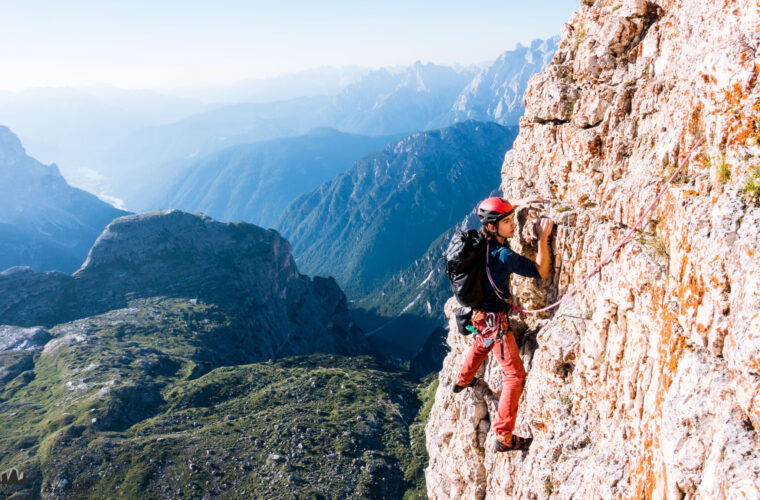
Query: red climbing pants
[512, 370]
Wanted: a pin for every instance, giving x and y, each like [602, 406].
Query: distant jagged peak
[421, 76]
[9, 140]
[536, 52]
[10, 147]
[495, 93]
[15, 162]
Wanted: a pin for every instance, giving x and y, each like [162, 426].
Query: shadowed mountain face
[242, 270]
[405, 315]
[157, 154]
[255, 182]
[150, 360]
[377, 218]
[44, 222]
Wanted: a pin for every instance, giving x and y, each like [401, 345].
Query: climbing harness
[493, 322]
[612, 252]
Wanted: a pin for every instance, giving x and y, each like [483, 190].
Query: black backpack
[466, 266]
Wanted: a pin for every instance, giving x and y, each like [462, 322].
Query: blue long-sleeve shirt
[503, 262]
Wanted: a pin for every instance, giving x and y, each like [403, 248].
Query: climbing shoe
[458, 388]
[516, 443]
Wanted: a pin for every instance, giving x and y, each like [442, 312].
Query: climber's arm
[543, 257]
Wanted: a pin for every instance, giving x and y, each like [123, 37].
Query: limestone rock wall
[646, 384]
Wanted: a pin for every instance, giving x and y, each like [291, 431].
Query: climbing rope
[618, 246]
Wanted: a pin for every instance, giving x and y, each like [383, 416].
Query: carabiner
[490, 320]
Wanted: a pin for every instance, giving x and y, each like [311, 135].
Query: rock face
[245, 271]
[17, 348]
[646, 383]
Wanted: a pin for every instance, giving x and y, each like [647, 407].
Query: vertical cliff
[646, 384]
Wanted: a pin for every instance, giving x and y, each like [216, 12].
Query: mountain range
[375, 219]
[254, 182]
[109, 148]
[190, 357]
[180, 360]
[496, 92]
[44, 222]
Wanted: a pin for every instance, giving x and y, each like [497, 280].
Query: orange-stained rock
[646, 383]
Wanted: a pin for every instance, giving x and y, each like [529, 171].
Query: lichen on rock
[646, 384]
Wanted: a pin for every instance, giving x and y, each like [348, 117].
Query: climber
[490, 318]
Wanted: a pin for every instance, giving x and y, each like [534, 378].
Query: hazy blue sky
[165, 44]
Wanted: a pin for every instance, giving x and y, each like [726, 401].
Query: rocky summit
[496, 92]
[143, 374]
[240, 269]
[646, 382]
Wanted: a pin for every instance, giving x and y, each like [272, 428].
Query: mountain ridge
[245, 270]
[254, 182]
[412, 190]
[46, 223]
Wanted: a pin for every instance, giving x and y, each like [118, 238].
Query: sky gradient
[167, 44]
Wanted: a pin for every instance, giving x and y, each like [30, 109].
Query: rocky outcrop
[646, 384]
[17, 348]
[243, 270]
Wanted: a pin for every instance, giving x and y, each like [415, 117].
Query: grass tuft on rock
[751, 188]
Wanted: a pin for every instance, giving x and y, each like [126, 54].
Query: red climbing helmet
[491, 210]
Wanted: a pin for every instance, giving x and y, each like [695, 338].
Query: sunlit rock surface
[646, 383]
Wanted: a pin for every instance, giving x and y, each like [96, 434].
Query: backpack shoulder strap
[499, 292]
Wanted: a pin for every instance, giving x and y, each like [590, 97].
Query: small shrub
[655, 247]
[751, 189]
[681, 178]
[565, 400]
[549, 487]
[720, 168]
[580, 36]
